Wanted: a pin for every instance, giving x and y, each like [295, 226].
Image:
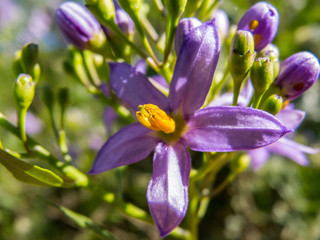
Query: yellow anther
[253, 25]
[257, 39]
[152, 117]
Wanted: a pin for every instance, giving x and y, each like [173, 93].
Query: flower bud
[175, 8]
[48, 97]
[184, 27]
[272, 52]
[273, 104]
[130, 6]
[239, 164]
[103, 10]
[123, 21]
[29, 57]
[261, 75]
[63, 98]
[242, 55]
[297, 73]
[191, 7]
[24, 88]
[222, 23]
[262, 21]
[79, 26]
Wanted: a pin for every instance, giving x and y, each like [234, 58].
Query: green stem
[236, 91]
[22, 126]
[91, 70]
[212, 166]
[152, 62]
[222, 185]
[170, 30]
[192, 216]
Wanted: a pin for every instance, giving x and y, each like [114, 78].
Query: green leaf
[86, 223]
[28, 173]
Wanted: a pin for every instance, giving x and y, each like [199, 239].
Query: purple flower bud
[297, 73]
[124, 22]
[77, 24]
[184, 27]
[262, 20]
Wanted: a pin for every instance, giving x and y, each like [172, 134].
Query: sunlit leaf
[29, 173]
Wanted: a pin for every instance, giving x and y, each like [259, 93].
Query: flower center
[152, 117]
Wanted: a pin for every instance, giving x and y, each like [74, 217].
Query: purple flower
[77, 24]
[284, 146]
[297, 74]
[218, 129]
[123, 21]
[262, 20]
[185, 25]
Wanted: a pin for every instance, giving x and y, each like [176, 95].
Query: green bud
[175, 8]
[36, 71]
[47, 97]
[24, 89]
[261, 75]
[272, 52]
[103, 10]
[29, 57]
[130, 6]
[239, 164]
[273, 104]
[63, 98]
[191, 7]
[16, 64]
[273, 89]
[241, 55]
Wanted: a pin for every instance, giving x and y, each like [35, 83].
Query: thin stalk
[170, 30]
[236, 91]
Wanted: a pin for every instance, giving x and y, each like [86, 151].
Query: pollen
[253, 25]
[257, 39]
[152, 117]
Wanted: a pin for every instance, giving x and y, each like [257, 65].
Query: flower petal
[168, 189]
[131, 144]
[134, 88]
[292, 150]
[258, 157]
[291, 117]
[194, 69]
[225, 129]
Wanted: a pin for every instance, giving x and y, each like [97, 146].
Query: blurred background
[280, 201]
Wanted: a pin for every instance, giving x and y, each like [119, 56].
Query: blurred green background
[280, 201]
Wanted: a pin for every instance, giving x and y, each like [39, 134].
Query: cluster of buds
[252, 52]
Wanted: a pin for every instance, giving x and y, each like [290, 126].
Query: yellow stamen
[253, 25]
[152, 117]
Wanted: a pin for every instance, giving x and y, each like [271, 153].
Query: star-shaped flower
[170, 125]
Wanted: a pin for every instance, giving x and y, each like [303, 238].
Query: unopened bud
[241, 55]
[29, 57]
[185, 25]
[63, 97]
[273, 104]
[297, 74]
[240, 164]
[175, 8]
[47, 97]
[261, 76]
[24, 89]
[79, 26]
[262, 21]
